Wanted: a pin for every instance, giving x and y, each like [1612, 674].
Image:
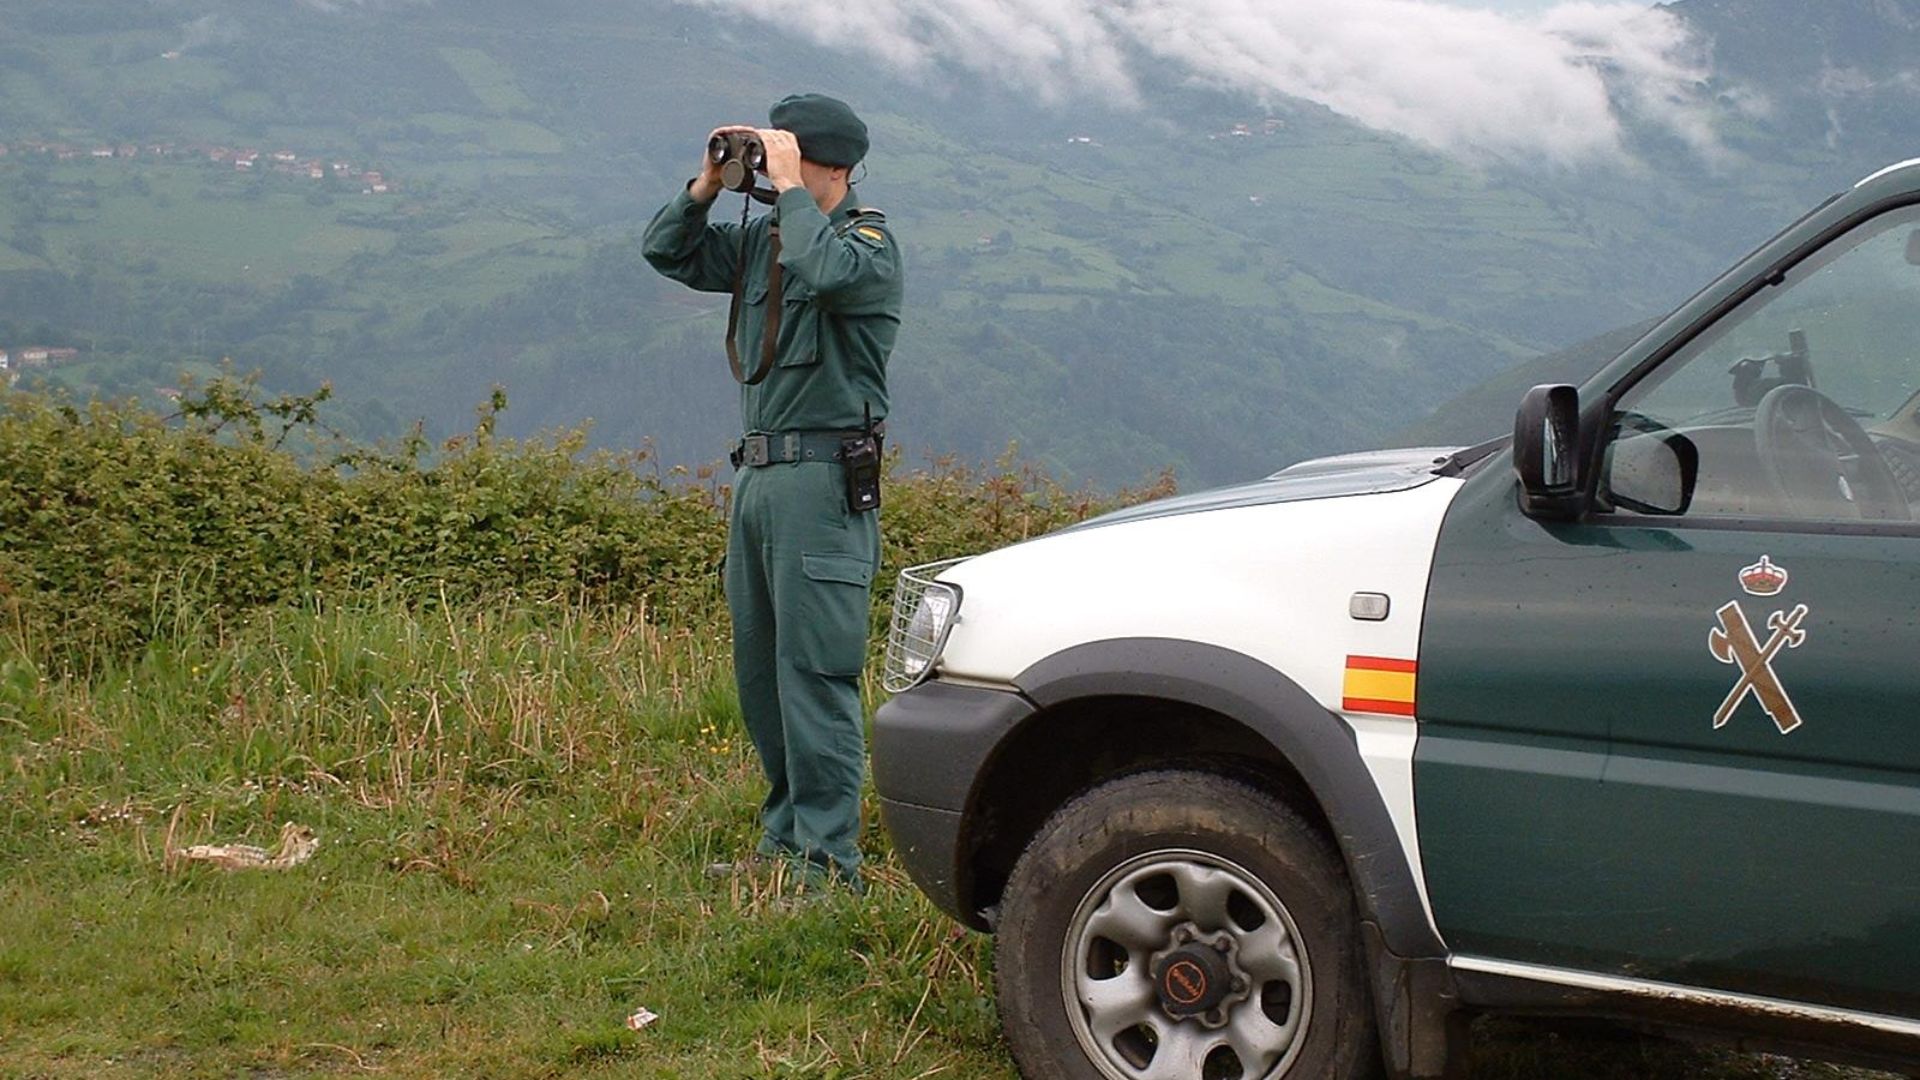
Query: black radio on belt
[860, 457]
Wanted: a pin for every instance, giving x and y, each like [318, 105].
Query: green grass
[203, 222]
[486, 236]
[514, 802]
[514, 805]
[187, 219]
[483, 136]
[489, 80]
[27, 95]
[183, 73]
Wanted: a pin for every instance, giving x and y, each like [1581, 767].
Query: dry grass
[514, 804]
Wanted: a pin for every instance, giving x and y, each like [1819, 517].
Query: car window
[1800, 405]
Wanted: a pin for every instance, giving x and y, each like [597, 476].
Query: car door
[1678, 740]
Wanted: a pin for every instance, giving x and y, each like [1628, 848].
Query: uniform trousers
[799, 574]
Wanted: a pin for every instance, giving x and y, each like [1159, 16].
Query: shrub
[119, 526]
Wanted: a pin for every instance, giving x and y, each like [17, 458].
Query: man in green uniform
[817, 294]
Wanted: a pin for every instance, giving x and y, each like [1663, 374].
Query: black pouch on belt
[860, 455]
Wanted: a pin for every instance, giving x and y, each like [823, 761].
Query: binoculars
[740, 155]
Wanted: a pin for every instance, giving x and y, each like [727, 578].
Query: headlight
[924, 612]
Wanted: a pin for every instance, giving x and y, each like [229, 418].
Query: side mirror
[1546, 453]
[1650, 469]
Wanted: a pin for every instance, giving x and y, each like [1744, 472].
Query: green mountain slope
[1119, 291]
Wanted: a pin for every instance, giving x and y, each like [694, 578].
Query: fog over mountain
[1557, 85]
[1210, 235]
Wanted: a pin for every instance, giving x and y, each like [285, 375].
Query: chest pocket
[799, 325]
[799, 344]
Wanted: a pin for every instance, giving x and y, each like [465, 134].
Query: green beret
[828, 131]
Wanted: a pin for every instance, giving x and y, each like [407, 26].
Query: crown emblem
[1763, 578]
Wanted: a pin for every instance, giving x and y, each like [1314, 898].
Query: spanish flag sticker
[1378, 684]
[872, 234]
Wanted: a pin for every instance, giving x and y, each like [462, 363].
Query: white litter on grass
[639, 1020]
[297, 845]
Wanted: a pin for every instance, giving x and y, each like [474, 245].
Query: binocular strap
[770, 342]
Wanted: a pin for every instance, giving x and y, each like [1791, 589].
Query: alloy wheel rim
[1140, 919]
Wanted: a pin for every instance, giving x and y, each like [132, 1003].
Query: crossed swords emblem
[1736, 643]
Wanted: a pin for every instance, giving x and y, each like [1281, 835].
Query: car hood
[1369, 473]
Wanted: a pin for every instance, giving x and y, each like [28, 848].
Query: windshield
[1846, 322]
[1802, 404]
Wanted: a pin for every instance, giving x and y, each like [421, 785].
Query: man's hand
[706, 186]
[783, 159]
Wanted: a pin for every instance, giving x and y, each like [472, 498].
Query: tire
[1101, 957]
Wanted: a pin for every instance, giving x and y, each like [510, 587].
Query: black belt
[779, 447]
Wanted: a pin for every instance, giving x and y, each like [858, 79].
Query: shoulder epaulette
[865, 224]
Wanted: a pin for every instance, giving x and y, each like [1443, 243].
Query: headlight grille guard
[914, 644]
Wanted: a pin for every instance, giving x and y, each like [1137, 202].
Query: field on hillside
[1112, 292]
[493, 681]
[514, 804]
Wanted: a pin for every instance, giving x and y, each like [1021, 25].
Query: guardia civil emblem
[1735, 642]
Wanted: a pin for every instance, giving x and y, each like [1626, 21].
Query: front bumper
[930, 745]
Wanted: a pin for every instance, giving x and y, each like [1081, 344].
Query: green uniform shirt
[842, 289]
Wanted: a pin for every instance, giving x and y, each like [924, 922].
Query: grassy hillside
[514, 803]
[1202, 284]
[1486, 411]
[494, 684]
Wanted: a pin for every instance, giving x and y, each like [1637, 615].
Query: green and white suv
[1616, 717]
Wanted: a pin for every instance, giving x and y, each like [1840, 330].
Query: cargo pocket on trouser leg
[830, 635]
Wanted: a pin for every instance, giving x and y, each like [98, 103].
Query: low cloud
[1561, 86]
[333, 6]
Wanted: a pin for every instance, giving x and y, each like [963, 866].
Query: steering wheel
[1820, 462]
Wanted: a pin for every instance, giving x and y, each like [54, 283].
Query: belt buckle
[753, 451]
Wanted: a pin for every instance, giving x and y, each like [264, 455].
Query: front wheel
[1182, 926]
